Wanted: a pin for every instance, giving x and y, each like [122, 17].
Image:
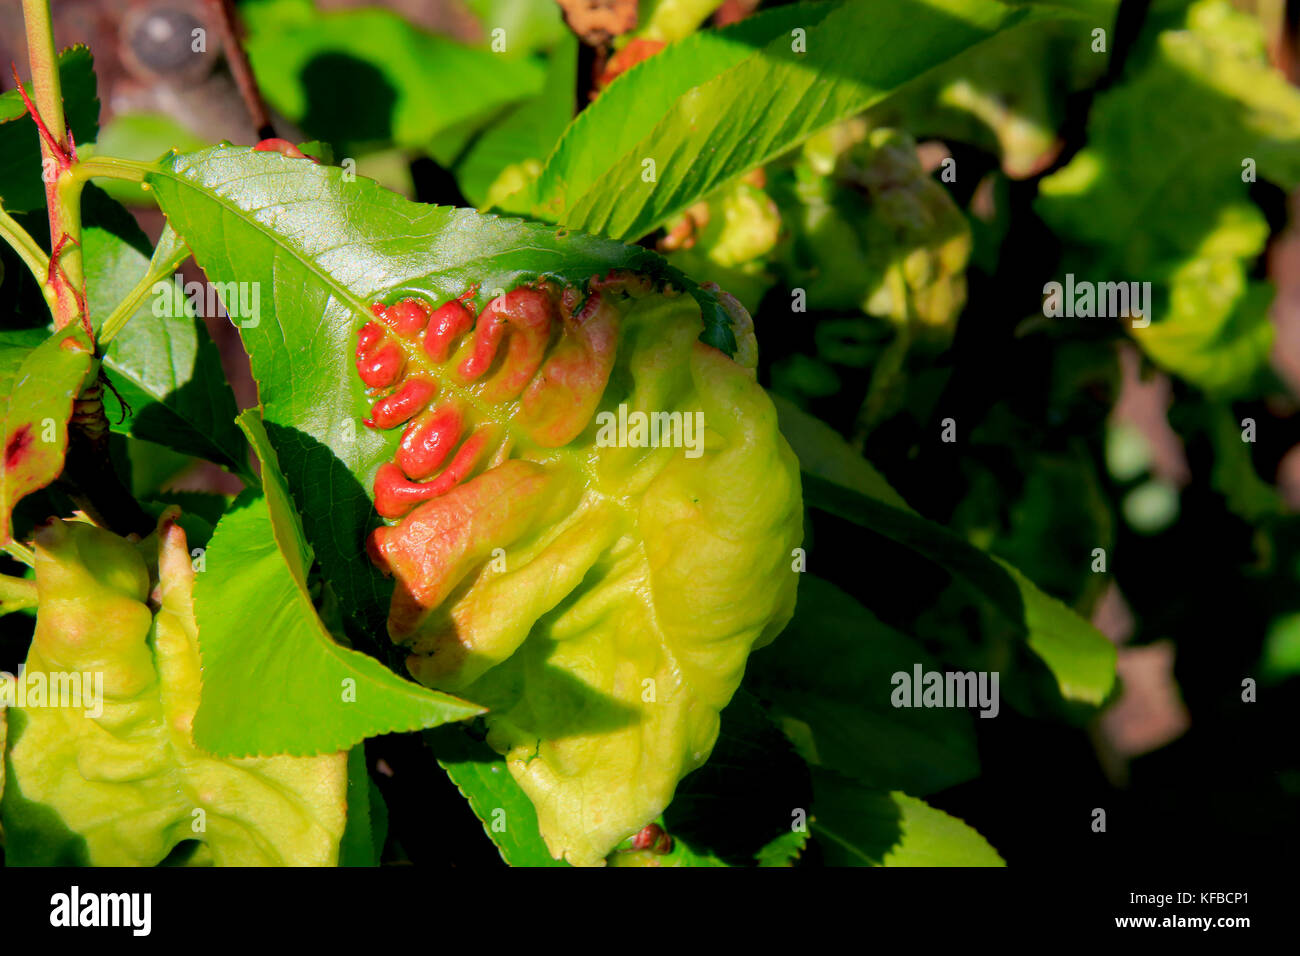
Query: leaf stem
[33, 256]
[166, 258]
[20, 552]
[110, 167]
[126, 308]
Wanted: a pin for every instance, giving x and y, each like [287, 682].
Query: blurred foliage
[1162, 191]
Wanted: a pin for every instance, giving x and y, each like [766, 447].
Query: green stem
[33, 256]
[46, 86]
[86, 466]
[17, 593]
[110, 167]
[20, 552]
[62, 198]
[126, 308]
[167, 257]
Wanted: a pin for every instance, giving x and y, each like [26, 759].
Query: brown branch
[596, 22]
[223, 14]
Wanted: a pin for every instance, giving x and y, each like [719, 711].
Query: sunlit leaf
[112, 777]
[258, 628]
[856, 826]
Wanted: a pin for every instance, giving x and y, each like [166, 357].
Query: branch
[58, 152]
[223, 12]
[86, 466]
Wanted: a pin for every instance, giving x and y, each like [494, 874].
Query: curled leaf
[599, 599]
[596, 518]
[110, 776]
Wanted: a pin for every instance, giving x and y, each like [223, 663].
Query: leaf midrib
[494, 412]
[340, 291]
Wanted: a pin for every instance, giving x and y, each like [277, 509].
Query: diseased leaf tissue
[757, 337]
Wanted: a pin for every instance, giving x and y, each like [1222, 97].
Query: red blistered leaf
[39, 387]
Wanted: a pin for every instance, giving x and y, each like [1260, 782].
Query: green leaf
[669, 20]
[692, 110]
[566, 711]
[1205, 108]
[363, 839]
[528, 26]
[38, 386]
[616, 122]
[823, 452]
[363, 77]
[1233, 473]
[785, 850]
[4, 734]
[260, 630]
[163, 364]
[1205, 100]
[21, 186]
[321, 250]
[1007, 96]
[17, 342]
[527, 131]
[1215, 330]
[1279, 659]
[149, 466]
[1078, 655]
[842, 717]
[856, 826]
[481, 776]
[1050, 517]
[111, 776]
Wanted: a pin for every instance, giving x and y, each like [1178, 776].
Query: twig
[223, 12]
[62, 197]
[87, 469]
